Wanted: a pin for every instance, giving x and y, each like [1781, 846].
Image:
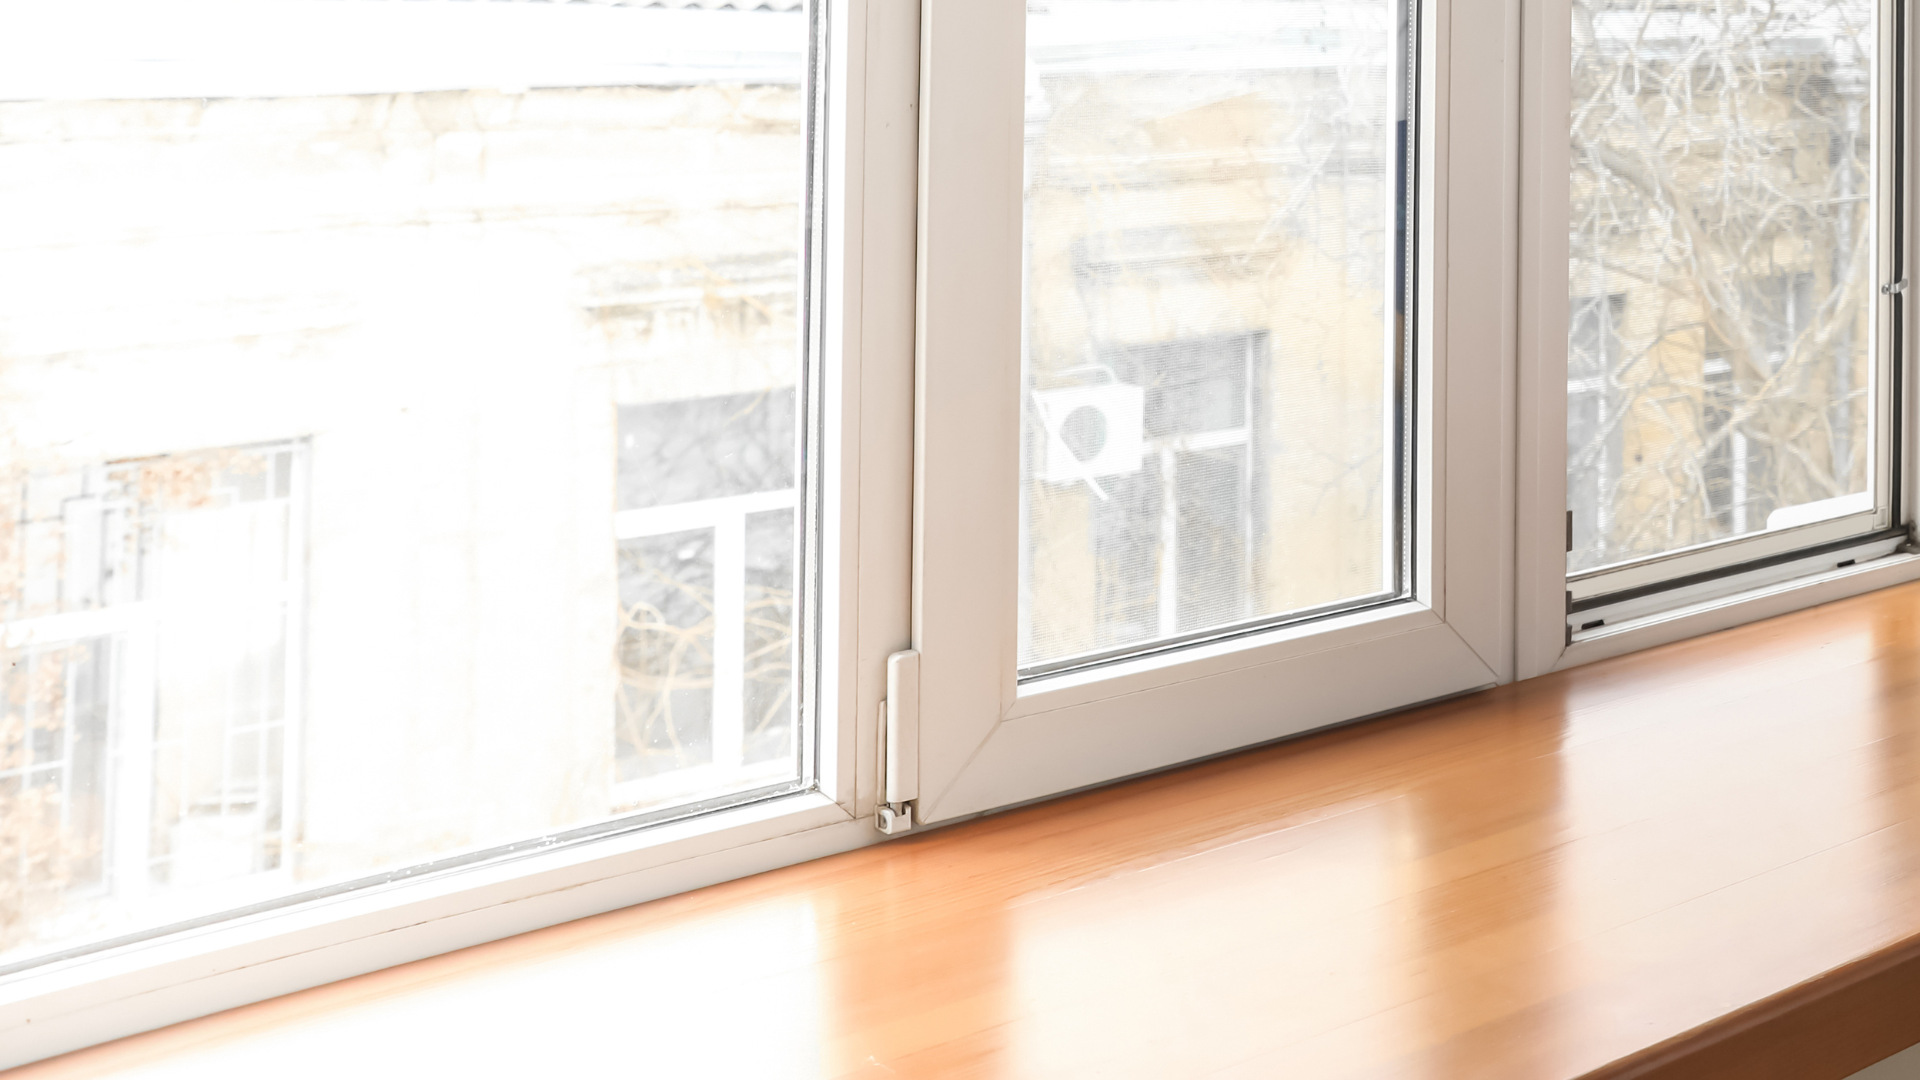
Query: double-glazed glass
[398, 421]
[1720, 342]
[1214, 320]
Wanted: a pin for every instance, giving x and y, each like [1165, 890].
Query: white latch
[899, 744]
[893, 821]
[1894, 288]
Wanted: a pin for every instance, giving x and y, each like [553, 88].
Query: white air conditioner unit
[1092, 431]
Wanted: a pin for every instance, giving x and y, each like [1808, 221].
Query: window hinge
[1894, 288]
[899, 744]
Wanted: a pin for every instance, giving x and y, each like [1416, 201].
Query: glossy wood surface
[1701, 861]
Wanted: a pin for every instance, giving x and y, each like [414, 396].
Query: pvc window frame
[988, 740]
[865, 87]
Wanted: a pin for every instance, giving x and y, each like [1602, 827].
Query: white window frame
[986, 740]
[867, 144]
[1544, 641]
[920, 302]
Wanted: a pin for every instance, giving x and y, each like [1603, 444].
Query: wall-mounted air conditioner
[1092, 431]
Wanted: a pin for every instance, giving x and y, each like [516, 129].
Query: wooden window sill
[1700, 861]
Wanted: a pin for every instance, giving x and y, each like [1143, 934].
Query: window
[1190, 409]
[401, 460]
[153, 711]
[1186, 481]
[1213, 242]
[1732, 401]
[706, 534]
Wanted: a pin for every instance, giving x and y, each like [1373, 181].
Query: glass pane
[397, 437]
[1215, 282]
[1719, 375]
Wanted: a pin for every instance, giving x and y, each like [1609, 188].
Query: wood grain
[1701, 861]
